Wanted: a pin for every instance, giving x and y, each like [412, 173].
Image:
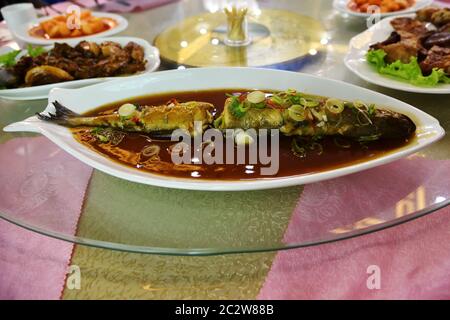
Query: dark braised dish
[418, 51]
[316, 133]
[65, 63]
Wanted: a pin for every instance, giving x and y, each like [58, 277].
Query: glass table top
[116, 214]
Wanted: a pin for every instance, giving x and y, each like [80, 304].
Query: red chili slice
[173, 100]
[272, 104]
[135, 120]
[242, 97]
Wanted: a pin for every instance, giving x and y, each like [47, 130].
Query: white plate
[355, 60]
[82, 100]
[22, 32]
[342, 6]
[41, 92]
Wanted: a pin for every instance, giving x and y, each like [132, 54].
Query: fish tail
[62, 114]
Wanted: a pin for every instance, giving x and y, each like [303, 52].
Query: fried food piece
[68, 25]
[444, 28]
[85, 60]
[409, 25]
[438, 57]
[405, 42]
[384, 5]
[401, 45]
[440, 39]
[425, 14]
[441, 17]
[435, 15]
[45, 75]
[402, 51]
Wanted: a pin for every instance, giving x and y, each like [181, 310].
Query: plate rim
[130, 174]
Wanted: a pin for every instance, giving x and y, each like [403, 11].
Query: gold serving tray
[278, 37]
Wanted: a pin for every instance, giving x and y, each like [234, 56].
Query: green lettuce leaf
[409, 72]
[35, 51]
[9, 59]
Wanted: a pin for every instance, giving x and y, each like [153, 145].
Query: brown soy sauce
[128, 152]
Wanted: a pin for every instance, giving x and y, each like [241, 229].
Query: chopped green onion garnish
[297, 150]
[373, 137]
[276, 99]
[318, 115]
[102, 138]
[371, 110]
[308, 103]
[127, 110]
[151, 150]
[335, 106]
[360, 105]
[256, 97]
[261, 105]
[295, 99]
[297, 113]
[237, 108]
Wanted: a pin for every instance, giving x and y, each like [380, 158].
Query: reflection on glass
[361, 224]
[413, 202]
[439, 199]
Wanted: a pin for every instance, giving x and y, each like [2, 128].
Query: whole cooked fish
[147, 119]
[297, 114]
[293, 113]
